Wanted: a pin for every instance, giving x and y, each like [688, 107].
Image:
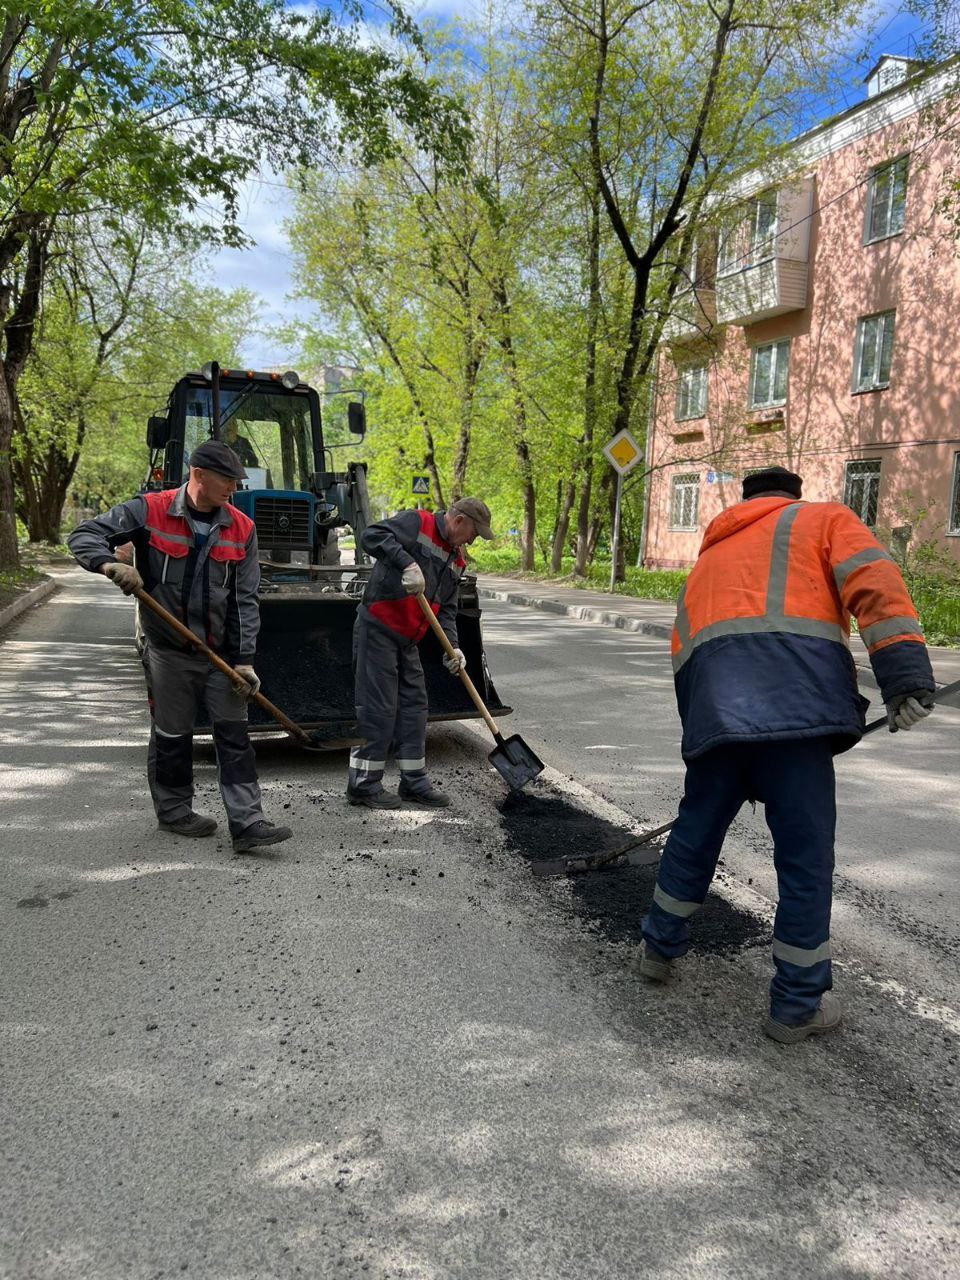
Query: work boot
[374, 799]
[827, 1018]
[191, 824]
[260, 833]
[652, 964]
[429, 798]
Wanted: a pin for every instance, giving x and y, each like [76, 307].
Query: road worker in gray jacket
[196, 555]
[415, 551]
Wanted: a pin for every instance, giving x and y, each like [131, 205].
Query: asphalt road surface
[384, 1049]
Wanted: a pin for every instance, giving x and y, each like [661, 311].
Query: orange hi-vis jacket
[760, 646]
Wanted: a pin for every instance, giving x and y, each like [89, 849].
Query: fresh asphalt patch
[538, 823]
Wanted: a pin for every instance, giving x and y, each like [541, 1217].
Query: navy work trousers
[391, 701]
[795, 782]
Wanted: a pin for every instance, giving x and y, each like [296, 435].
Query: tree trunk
[9, 552]
[594, 300]
[528, 529]
[467, 400]
[563, 526]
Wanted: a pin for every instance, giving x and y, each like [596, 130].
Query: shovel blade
[516, 763]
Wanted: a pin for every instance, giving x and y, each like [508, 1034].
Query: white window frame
[780, 357]
[850, 477]
[898, 169]
[692, 393]
[873, 345]
[684, 485]
[763, 242]
[953, 516]
[743, 242]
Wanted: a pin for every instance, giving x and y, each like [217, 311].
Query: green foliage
[647, 584]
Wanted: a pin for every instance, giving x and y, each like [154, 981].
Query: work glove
[456, 663]
[250, 679]
[908, 709]
[413, 579]
[124, 575]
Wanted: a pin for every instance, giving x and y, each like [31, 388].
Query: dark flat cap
[772, 480]
[214, 455]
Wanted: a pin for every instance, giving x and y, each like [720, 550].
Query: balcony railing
[693, 315]
[770, 288]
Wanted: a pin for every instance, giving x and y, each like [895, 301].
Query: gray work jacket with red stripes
[211, 588]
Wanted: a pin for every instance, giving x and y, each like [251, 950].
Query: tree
[165, 106]
[112, 337]
[656, 126]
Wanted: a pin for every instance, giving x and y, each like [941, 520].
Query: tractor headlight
[290, 380]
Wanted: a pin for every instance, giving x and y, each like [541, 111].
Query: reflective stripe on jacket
[407, 538]
[213, 590]
[760, 646]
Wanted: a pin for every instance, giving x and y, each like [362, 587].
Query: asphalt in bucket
[611, 903]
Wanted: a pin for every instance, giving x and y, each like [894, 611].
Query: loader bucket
[305, 662]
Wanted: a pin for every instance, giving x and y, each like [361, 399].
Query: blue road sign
[421, 484]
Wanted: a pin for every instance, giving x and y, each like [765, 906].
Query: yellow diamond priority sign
[623, 452]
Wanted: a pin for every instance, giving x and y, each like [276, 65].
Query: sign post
[623, 454]
[421, 487]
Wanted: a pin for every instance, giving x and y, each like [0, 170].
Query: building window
[874, 352]
[749, 236]
[684, 501]
[692, 392]
[768, 376]
[763, 228]
[954, 522]
[861, 488]
[886, 200]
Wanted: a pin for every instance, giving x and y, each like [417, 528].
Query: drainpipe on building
[644, 519]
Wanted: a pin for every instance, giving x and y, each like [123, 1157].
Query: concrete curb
[35, 596]
[586, 613]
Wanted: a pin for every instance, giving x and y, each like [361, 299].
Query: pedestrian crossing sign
[623, 452]
[421, 484]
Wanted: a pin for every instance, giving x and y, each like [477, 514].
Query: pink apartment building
[823, 333]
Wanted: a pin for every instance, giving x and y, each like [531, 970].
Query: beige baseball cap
[477, 511]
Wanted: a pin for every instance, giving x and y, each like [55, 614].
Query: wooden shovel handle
[192, 638]
[451, 653]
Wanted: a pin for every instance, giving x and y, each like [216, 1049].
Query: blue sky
[267, 267]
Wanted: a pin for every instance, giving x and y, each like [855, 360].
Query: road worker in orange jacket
[767, 692]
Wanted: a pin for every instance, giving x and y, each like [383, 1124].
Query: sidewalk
[650, 617]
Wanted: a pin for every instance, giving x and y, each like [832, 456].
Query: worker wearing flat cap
[196, 555]
[415, 551]
[767, 692]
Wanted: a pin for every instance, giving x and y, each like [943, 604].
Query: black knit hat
[214, 455]
[772, 480]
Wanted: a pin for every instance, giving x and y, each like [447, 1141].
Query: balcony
[755, 293]
[766, 253]
[693, 315]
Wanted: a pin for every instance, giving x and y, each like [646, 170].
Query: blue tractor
[301, 504]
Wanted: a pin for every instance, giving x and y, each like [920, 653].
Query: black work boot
[260, 833]
[429, 798]
[374, 799]
[191, 824]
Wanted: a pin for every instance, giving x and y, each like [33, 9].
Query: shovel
[511, 757]
[312, 741]
[577, 866]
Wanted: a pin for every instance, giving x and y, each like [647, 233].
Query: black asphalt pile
[611, 902]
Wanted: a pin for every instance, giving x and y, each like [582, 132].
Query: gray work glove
[908, 709]
[457, 663]
[413, 579]
[250, 678]
[124, 575]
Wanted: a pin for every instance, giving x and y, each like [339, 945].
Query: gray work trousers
[175, 683]
[391, 702]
